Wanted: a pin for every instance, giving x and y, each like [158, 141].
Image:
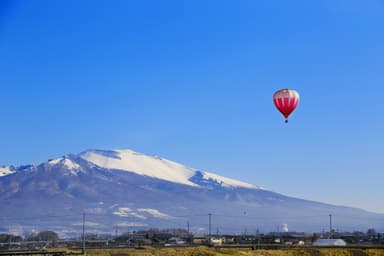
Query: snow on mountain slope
[227, 182]
[65, 162]
[141, 213]
[128, 160]
[73, 167]
[4, 171]
[156, 167]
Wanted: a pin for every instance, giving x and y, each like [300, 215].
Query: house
[216, 241]
[175, 241]
[198, 239]
[329, 242]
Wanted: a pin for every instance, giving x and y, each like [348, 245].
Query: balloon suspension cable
[286, 121]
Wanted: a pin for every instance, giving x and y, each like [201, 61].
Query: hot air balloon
[286, 100]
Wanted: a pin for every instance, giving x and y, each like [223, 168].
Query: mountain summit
[126, 189]
[156, 167]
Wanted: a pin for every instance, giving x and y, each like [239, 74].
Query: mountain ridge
[100, 184]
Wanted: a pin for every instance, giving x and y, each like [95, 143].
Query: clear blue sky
[193, 81]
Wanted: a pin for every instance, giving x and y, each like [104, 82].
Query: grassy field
[203, 251]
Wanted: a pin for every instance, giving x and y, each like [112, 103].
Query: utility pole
[245, 226]
[188, 227]
[210, 226]
[83, 250]
[330, 225]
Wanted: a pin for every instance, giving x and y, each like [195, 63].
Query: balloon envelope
[286, 100]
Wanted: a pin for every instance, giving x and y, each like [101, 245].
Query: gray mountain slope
[54, 196]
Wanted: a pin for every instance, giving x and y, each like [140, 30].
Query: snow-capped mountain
[6, 170]
[130, 190]
[155, 167]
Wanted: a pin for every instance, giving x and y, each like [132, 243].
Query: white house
[329, 242]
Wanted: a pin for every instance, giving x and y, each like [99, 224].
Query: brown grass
[203, 251]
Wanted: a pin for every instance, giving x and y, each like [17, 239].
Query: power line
[83, 250]
[330, 225]
[210, 226]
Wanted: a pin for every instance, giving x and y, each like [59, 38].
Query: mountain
[128, 190]
[7, 170]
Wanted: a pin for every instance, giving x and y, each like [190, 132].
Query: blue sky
[193, 81]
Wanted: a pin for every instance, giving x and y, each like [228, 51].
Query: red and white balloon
[286, 100]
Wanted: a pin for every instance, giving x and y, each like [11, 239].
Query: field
[203, 251]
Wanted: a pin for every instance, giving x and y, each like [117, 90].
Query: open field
[204, 251]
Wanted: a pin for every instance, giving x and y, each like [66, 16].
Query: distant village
[181, 237]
